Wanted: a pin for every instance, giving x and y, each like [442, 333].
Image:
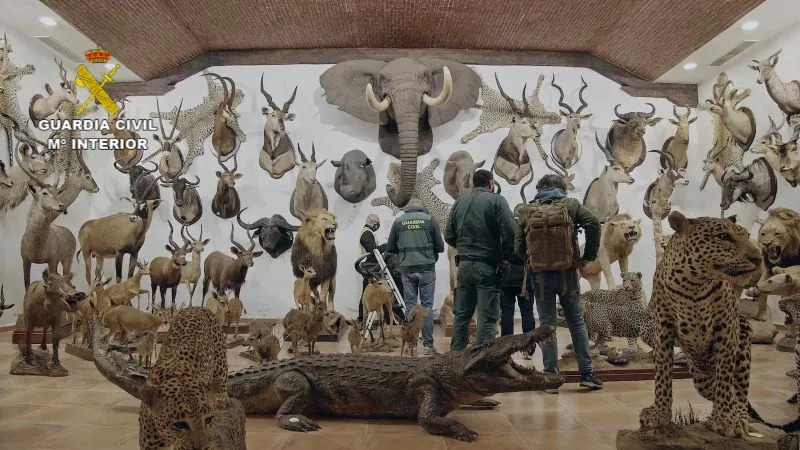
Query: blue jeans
[425, 284]
[567, 288]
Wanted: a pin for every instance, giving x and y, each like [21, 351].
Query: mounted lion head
[318, 230]
[779, 236]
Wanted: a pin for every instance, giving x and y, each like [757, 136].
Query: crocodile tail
[787, 428]
[114, 368]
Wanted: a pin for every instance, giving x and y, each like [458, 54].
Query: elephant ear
[345, 84]
[466, 88]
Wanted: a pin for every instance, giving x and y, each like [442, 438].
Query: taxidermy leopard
[694, 299]
[186, 385]
[791, 307]
[619, 312]
[10, 84]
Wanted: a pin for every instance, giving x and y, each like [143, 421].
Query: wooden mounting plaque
[80, 351]
[18, 336]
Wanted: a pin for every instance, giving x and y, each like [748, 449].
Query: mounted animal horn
[652, 111]
[30, 175]
[252, 241]
[625, 116]
[561, 97]
[161, 121]
[313, 153]
[194, 183]
[584, 86]
[289, 102]
[171, 241]
[669, 158]
[239, 246]
[744, 176]
[260, 223]
[606, 151]
[302, 156]
[225, 94]
[510, 100]
[186, 240]
[267, 96]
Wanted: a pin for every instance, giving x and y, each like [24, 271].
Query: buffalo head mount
[405, 97]
[625, 139]
[274, 233]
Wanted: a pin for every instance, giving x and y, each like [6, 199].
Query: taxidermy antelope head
[601, 196]
[786, 95]
[224, 138]
[511, 161]
[171, 163]
[225, 203]
[308, 193]
[126, 157]
[143, 185]
[678, 144]
[41, 108]
[565, 147]
[275, 126]
[788, 156]
[188, 207]
[626, 137]
[659, 191]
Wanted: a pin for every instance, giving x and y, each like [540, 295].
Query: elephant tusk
[372, 101]
[447, 90]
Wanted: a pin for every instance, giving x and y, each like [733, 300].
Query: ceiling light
[48, 21]
[750, 25]
[110, 66]
[690, 66]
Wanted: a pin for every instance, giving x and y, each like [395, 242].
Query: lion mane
[790, 221]
[312, 249]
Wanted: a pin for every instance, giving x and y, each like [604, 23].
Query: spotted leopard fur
[791, 307]
[696, 307]
[9, 86]
[186, 385]
[423, 191]
[496, 112]
[196, 124]
[619, 312]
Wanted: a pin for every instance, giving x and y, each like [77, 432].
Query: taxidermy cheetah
[705, 263]
[791, 307]
[619, 312]
[186, 385]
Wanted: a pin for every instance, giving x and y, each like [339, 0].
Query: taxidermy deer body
[113, 236]
[43, 107]
[601, 196]
[127, 319]
[226, 203]
[304, 296]
[678, 145]
[224, 139]
[226, 272]
[165, 272]
[512, 161]
[42, 242]
[785, 95]
[277, 154]
[123, 292]
[377, 294]
[305, 324]
[190, 273]
[308, 193]
[656, 199]
[565, 148]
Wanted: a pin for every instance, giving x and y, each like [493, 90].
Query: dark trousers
[509, 299]
[477, 291]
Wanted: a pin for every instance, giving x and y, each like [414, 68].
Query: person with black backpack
[547, 240]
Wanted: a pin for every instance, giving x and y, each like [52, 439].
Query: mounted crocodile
[371, 386]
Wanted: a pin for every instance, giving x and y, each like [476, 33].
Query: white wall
[268, 291]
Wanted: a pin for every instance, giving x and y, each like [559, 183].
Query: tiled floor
[84, 411]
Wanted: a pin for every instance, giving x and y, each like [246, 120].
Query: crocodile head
[489, 369]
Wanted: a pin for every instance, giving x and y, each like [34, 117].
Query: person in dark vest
[546, 285]
[367, 243]
[417, 240]
[512, 287]
[481, 227]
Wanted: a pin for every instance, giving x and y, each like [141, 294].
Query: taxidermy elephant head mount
[405, 97]
[355, 177]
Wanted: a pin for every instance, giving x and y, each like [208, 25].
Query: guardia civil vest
[414, 240]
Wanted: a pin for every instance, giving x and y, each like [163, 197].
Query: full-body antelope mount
[226, 203]
[43, 107]
[43, 242]
[123, 292]
[656, 199]
[277, 154]
[224, 139]
[601, 196]
[565, 148]
[785, 94]
[678, 144]
[512, 161]
[229, 273]
[308, 193]
[304, 296]
[190, 273]
[165, 271]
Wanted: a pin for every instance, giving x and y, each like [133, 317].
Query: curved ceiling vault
[630, 41]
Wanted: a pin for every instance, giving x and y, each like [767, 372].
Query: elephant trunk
[408, 130]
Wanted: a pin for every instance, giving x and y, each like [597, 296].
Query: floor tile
[401, 441]
[543, 421]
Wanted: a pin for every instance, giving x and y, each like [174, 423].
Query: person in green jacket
[416, 238]
[481, 227]
[564, 284]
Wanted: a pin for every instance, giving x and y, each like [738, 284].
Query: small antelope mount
[166, 271]
[677, 145]
[756, 184]
[656, 197]
[227, 273]
[785, 94]
[625, 140]
[601, 196]
[224, 139]
[226, 203]
[190, 273]
[458, 171]
[565, 148]
[277, 154]
[308, 193]
[274, 233]
[171, 164]
[126, 158]
[511, 160]
[41, 107]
